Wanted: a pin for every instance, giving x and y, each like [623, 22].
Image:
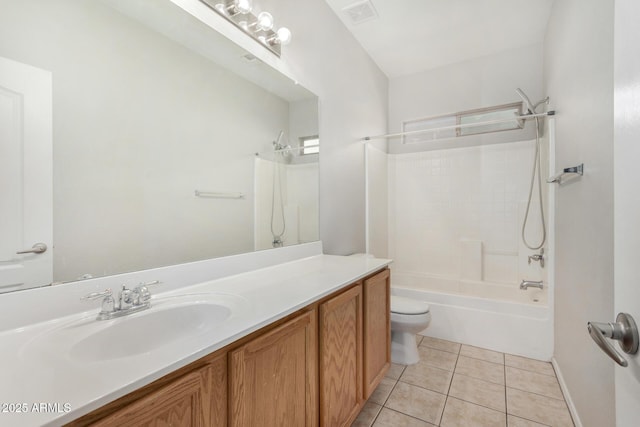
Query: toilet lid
[403, 305]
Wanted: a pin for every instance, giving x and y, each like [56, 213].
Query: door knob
[38, 248]
[624, 331]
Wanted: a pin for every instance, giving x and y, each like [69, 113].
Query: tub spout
[526, 284]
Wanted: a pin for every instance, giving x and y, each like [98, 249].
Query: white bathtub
[490, 315]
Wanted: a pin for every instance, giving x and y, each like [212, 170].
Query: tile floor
[461, 385]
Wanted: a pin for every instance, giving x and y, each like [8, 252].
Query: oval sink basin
[168, 321]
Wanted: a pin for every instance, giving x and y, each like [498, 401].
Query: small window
[310, 145]
[491, 119]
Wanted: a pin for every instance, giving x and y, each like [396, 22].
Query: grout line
[453, 374]
[555, 374]
[535, 372]
[484, 360]
[377, 415]
[538, 394]
[523, 418]
[390, 393]
[410, 416]
[477, 404]
[506, 401]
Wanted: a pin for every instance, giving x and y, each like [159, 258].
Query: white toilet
[408, 317]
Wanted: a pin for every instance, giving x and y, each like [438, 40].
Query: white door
[627, 197]
[25, 176]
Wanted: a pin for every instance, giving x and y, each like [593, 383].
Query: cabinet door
[341, 358]
[273, 379]
[182, 403]
[377, 330]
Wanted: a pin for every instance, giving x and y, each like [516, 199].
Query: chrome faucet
[526, 284]
[538, 257]
[129, 301]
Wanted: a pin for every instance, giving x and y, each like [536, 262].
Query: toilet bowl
[408, 317]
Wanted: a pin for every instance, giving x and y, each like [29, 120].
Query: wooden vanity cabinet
[195, 399]
[315, 367]
[273, 378]
[377, 330]
[341, 358]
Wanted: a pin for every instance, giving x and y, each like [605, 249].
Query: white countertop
[36, 369]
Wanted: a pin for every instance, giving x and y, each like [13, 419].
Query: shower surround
[455, 218]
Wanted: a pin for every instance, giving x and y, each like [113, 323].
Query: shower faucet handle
[537, 257]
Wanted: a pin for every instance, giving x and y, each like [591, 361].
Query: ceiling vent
[360, 12]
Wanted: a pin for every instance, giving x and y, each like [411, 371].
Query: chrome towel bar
[219, 194]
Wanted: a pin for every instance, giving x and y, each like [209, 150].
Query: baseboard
[565, 392]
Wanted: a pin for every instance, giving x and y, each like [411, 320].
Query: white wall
[124, 183]
[481, 82]
[626, 200]
[578, 77]
[377, 202]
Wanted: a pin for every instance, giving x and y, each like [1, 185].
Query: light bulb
[265, 21]
[283, 36]
[221, 8]
[242, 6]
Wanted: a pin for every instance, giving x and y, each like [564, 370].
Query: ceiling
[410, 36]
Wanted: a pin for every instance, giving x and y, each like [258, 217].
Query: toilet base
[404, 349]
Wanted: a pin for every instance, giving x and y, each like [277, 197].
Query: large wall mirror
[168, 143]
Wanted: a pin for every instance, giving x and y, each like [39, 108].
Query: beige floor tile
[529, 364]
[417, 402]
[479, 392]
[521, 422]
[482, 354]
[533, 382]
[538, 408]
[367, 415]
[429, 377]
[438, 344]
[382, 392]
[419, 339]
[480, 369]
[437, 358]
[389, 418]
[395, 371]
[458, 413]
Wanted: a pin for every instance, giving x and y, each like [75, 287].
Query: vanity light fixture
[259, 27]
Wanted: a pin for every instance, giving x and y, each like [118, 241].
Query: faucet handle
[96, 295]
[142, 291]
[108, 303]
[147, 284]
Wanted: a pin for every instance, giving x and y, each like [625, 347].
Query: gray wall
[578, 77]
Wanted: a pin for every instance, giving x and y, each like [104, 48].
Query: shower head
[526, 101]
[276, 143]
[530, 105]
[283, 148]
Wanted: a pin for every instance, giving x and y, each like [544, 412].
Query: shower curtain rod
[461, 126]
